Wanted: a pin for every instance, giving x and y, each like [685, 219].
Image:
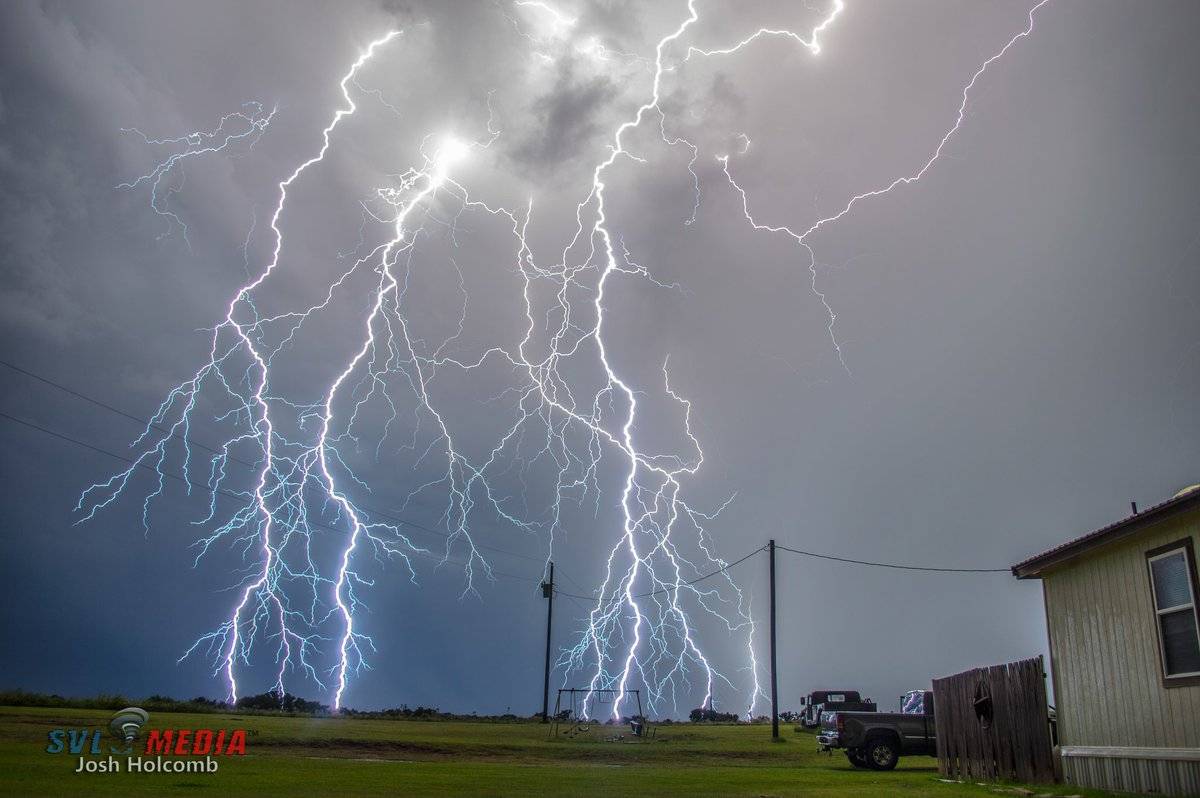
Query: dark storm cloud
[568, 118]
[1020, 327]
[46, 197]
[724, 91]
[619, 24]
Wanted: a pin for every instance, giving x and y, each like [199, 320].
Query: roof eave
[1035, 567]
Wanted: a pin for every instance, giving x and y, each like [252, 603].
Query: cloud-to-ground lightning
[302, 605]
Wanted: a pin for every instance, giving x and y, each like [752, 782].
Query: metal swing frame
[581, 725]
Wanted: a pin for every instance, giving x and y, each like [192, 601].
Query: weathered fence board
[993, 723]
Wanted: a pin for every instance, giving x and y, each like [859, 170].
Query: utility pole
[774, 680]
[548, 594]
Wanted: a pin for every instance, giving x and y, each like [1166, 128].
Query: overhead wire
[408, 523]
[673, 588]
[893, 565]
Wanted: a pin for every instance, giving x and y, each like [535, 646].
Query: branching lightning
[801, 238]
[245, 126]
[302, 607]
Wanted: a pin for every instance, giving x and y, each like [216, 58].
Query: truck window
[913, 703]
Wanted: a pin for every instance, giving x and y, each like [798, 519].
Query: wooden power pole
[548, 594]
[774, 680]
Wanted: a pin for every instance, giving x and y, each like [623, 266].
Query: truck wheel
[856, 758]
[881, 754]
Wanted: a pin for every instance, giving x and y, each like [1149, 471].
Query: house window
[1173, 583]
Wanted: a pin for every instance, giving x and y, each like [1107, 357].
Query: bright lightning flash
[643, 627]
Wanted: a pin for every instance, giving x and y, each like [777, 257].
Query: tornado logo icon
[127, 724]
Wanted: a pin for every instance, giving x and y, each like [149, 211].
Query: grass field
[348, 757]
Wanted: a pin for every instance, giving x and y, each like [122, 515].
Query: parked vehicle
[820, 701]
[877, 740]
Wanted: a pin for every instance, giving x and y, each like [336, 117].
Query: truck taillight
[841, 724]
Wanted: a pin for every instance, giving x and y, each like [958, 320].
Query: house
[1124, 626]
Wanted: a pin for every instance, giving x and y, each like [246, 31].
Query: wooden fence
[992, 723]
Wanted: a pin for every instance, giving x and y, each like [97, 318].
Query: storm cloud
[1019, 329]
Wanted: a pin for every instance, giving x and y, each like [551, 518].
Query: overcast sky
[1018, 331]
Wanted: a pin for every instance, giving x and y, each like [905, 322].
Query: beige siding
[1104, 649]
[1143, 772]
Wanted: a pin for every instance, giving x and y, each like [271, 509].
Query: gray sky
[1019, 328]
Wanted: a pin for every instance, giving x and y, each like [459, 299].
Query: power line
[722, 569]
[895, 565]
[106, 406]
[408, 523]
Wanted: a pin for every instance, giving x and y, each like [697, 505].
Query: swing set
[572, 721]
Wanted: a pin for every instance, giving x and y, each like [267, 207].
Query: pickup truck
[820, 701]
[877, 740]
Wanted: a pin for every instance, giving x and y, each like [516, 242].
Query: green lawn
[335, 756]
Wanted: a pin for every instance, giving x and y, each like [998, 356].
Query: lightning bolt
[277, 499]
[801, 238]
[648, 614]
[243, 126]
[645, 537]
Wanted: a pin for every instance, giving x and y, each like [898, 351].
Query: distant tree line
[710, 715]
[275, 703]
[113, 701]
[269, 703]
